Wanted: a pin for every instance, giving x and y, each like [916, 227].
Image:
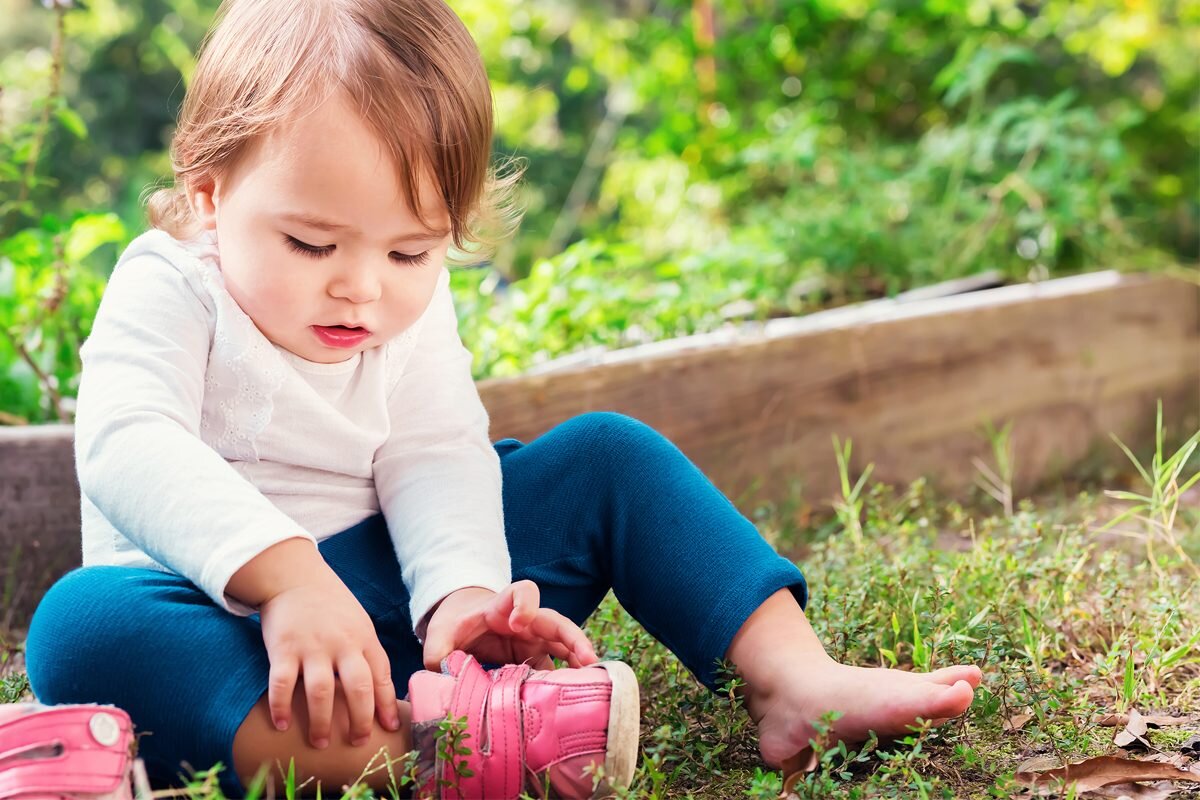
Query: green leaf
[1120, 494]
[89, 232]
[1130, 681]
[7, 274]
[72, 122]
[1129, 454]
[1172, 657]
[920, 657]
[978, 618]
[290, 781]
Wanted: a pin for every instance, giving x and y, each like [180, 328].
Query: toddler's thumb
[437, 647]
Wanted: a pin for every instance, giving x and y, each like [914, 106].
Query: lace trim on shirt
[399, 348]
[238, 346]
[246, 354]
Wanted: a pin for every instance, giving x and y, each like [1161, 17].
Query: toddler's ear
[200, 197]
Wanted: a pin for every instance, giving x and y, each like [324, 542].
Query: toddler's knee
[614, 436]
[69, 628]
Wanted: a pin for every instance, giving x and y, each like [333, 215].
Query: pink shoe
[528, 730]
[65, 751]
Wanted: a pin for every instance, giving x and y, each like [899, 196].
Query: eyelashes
[312, 251]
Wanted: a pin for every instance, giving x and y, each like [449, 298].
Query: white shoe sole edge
[624, 728]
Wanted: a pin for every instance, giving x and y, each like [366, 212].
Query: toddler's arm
[281, 566]
[437, 476]
[138, 452]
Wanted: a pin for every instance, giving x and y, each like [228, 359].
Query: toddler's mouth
[341, 335]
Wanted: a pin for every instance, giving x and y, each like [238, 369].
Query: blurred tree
[693, 161]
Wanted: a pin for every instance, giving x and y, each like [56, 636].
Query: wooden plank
[39, 516]
[910, 382]
[599, 354]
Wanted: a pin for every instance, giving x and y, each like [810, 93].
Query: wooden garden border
[910, 382]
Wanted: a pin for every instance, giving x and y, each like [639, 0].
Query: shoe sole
[624, 728]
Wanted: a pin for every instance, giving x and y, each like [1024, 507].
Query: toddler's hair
[411, 68]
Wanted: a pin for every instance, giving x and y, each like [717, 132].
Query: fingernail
[281, 724]
[321, 744]
[393, 724]
[360, 741]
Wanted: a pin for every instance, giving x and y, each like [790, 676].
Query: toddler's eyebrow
[319, 223]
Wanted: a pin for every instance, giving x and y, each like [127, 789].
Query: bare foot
[886, 701]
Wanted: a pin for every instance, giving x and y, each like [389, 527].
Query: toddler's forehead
[330, 157]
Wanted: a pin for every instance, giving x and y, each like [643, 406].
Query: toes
[950, 701]
[952, 675]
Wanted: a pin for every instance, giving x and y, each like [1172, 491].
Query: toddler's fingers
[527, 600]
[554, 627]
[512, 610]
[385, 689]
[359, 689]
[440, 642]
[540, 650]
[318, 690]
[498, 610]
[281, 686]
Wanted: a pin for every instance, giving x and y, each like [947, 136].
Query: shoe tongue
[429, 694]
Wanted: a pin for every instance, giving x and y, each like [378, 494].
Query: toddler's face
[299, 278]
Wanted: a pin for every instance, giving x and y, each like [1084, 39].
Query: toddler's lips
[340, 335]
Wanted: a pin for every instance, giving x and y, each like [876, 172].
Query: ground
[1069, 622]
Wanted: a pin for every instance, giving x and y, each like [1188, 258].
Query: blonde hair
[411, 68]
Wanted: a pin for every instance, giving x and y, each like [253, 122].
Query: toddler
[290, 501]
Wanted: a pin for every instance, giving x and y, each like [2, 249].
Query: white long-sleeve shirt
[199, 443]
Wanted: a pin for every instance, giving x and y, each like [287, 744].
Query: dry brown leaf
[1104, 771]
[1038, 764]
[1135, 731]
[795, 768]
[1177, 759]
[1133, 791]
[1151, 720]
[1017, 721]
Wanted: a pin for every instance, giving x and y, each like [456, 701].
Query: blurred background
[690, 163]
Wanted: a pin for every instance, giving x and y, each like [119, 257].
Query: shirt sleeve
[437, 475]
[138, 451]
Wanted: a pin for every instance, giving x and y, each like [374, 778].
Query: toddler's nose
[358, 284]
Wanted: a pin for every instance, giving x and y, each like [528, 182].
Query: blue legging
[600, 501]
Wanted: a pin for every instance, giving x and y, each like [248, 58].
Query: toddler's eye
[309, 250]
[405, 258]
[316, 251]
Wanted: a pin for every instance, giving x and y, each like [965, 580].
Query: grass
[1074, 606]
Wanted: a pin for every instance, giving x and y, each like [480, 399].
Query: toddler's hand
[317, 628]
[508, 627]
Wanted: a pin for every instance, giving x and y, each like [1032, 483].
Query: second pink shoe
[541, 732]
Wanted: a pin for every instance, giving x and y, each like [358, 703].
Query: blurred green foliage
[690, 162]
